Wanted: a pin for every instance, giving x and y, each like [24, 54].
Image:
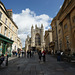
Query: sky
[30, 12]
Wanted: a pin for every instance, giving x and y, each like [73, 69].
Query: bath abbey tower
[37, 39]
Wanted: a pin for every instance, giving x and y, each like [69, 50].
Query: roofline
[7, 14]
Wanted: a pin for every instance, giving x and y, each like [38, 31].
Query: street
[32, 66]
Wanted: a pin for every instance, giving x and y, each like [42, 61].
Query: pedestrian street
[32, 66]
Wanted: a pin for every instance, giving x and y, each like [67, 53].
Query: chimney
[9, 11]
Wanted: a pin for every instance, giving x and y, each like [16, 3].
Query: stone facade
[8, 27]
[37, 39]
[63, 27]
[48, 39]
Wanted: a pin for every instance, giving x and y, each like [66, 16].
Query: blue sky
[30, 12]
[49, 7]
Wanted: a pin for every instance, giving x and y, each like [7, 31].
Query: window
[0, 15]
[6, 21]
[5, 31]
[12, 37]
[15, 38]
[9, 25]
[16, 31]
[0, 28]
[59, 31]
[73, 19]
[9, 34]
[13, 28]
[15, 47]
[67, 41]
[65, 26]
[37, 40]
[8, 48]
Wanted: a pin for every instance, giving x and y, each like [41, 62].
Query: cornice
[67, 10]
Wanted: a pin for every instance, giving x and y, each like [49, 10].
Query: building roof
[7, 13]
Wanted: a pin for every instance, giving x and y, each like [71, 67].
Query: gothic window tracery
[37, 40]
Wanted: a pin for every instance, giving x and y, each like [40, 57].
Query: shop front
[5, 45]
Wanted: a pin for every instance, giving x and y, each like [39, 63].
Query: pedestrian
[58, 56]
[16, 53]
[19, 53]
[43, 55]
[40, 54]
[2, 59]
[28, 54]
[22, 53]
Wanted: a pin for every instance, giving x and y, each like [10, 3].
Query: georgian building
[48, 39]
[63, 27]
[36, 40]
[8, 28]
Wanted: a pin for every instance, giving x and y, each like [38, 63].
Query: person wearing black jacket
[40, 54]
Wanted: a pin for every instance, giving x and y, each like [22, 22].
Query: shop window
[0, 15]
[1, 46]
[8, 48]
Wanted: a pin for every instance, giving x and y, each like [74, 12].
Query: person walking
[43, 55]
[40, 54]
[22, 53]
[28, 54]
[19, 53]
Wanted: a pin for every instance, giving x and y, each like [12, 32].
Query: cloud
[60, 6]
[26, 19]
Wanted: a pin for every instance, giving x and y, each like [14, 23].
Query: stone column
[62, 36]
[72, 44]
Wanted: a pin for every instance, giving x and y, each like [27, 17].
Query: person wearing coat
[40, 54]
[43, 55]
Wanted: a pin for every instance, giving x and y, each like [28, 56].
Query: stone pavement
[31, 66]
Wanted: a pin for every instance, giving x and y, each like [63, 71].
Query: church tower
[37, 37]
[32, 37]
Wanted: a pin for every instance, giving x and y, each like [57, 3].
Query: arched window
[37, 40]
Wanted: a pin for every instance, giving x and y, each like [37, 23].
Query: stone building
[37, 39]
[8, 28]
[63, 28]
[48, 39]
